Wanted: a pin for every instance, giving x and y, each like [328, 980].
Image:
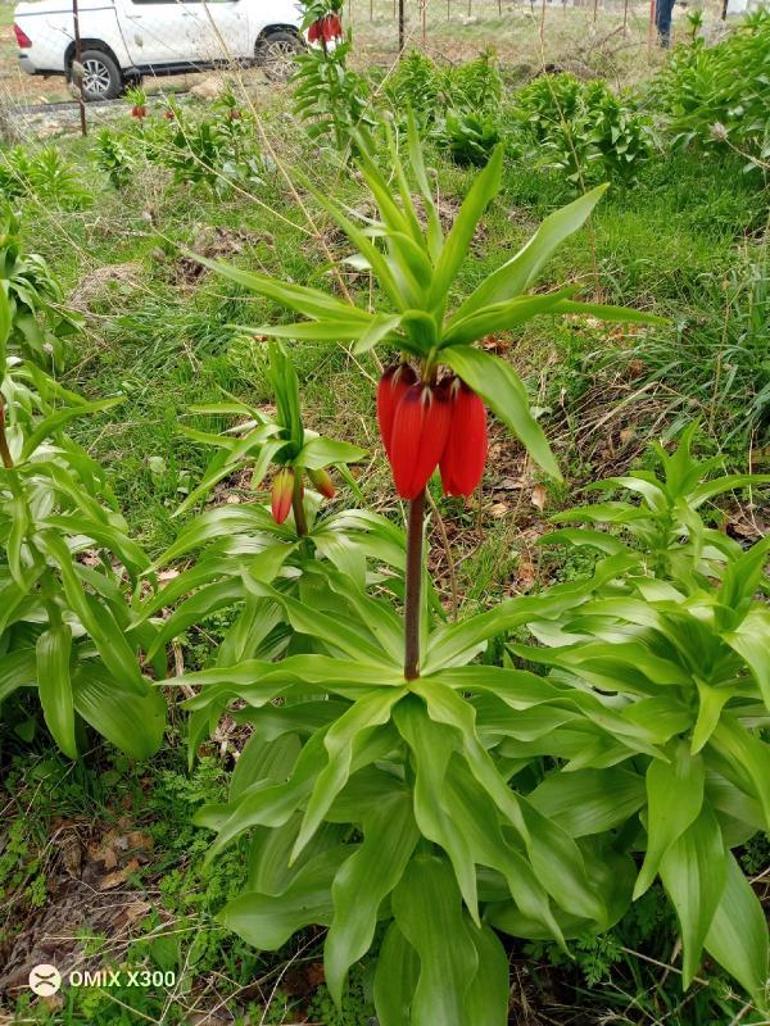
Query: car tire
[102, 78]
[276, 51]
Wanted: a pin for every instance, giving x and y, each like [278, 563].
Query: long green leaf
[359, 723]
[54, 651]
[517, 273]
[674, 801]
[428, 910]
[132, 722]
[500, 387]
[395, 978]
[485, 187]
[693, 873]
[390, 836]
[501, 317]
[96, 617]
[737, 937]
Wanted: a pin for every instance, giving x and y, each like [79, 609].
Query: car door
[220, 30]
[157, 32]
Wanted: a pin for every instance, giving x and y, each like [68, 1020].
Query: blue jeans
[663, 12]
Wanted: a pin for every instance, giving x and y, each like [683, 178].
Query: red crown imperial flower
[390, 391]
[463, 459]
[418, 437]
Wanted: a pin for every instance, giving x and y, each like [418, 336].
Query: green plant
[414, 85]
[477, 85]
[218, 152]
[242, 545]
[65, 558]
[583, 129]
[44, 176]
[39, 323]
[621, 134]
[330, 98]
[470, 137]
[720, 95]
[369, 790]
[113, 158]
[673, 640]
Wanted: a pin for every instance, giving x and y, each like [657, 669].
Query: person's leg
[663, 12]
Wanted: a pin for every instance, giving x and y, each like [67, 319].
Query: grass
[685, 242]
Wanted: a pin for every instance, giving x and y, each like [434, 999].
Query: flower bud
[391, 389]
[323, 482]
[282, 494]
[465, 453]
[139, 111]
[419, 435]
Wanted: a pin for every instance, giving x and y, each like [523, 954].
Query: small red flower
[323, 483]
[139, 111]
[327, 29]
[419, 436]
[391, 389]
[282, 494]
[463, 459]
[332, 27]
[169, 115]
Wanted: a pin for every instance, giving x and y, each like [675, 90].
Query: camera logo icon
[45, 980]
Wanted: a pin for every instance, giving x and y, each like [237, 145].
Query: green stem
[413, 588]
[298, 505]
[5, 452]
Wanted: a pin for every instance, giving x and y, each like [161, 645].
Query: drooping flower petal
[282, 494]
[314, 32]
[465, 453]
[420, 430]
[391, 389]
[323, 483]
[331, 28]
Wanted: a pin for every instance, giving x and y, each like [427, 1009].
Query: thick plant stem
[298, 506]
[5, 452]
[413, 588]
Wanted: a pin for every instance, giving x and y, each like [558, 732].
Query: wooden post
[78, 53]
[401, 27]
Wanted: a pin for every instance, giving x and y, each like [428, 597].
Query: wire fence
[129, 40]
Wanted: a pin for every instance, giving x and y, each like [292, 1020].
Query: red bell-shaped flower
[465, 453]
[332, 28]
[328, 29]
[391, 389]
[282, 494]
[419, 436]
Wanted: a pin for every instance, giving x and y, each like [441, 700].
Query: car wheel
[102, 79]
[276, 53]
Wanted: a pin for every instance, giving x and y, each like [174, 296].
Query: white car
[122, 40]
